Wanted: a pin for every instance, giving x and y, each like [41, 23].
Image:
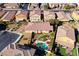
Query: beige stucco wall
[47, 18]
[35, 18]
[37, 31]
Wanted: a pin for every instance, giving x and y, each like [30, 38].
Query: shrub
[74, 52]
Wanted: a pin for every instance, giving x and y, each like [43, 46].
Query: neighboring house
[33, 6]
[75, 15]
[73, 4]
[9, 16]
[61, 16]
[65, 37]
[53, 5]
[8, 40]
[11, 5]
[48, 15]
[21, 15]
[35, 16]
[12, 52]
[10, 9]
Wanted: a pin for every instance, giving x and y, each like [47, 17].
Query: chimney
[12, 46]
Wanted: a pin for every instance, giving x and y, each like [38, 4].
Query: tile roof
[22, 12]
[9, 16]
[33, 12]
[62, 16]
[7, 9]
[43, 26]
[47, 13]
[11, 4]
[67, 31]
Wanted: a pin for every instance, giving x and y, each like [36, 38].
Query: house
[48, 15]
[73, 4]
[65, 37]
[11, 5]
[9, 16]
[33, 6]
[8, 40]
[75, 15]
[61, 16]
[10, 9]
[35, 16]
[21, 15]
[53, 5]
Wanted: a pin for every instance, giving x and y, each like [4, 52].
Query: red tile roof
[11, 4]
[23, 12]
[10, 15]
[42, 26]
[62, 16]
[38, 12]
[11, 9]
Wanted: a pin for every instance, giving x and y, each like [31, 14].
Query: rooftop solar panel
[7, 38]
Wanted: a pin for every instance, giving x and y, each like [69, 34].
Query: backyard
[44, 37]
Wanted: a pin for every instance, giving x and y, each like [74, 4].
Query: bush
[51, 54]
[44, 36]
[74, 52]
[62, 51]
[52, 34]
[46, 7]
[68, 7]
[78, 38]
[3, 25]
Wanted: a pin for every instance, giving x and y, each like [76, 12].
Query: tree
[68, 7]
[32, 38]
[44, 36]
[46, 6]
[62, 51]
[3, 25]
[78, 38]
[54, 21]
[74, 52]
[51, 21]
